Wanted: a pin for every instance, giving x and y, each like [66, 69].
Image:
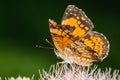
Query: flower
[77, 72]
[19, 78]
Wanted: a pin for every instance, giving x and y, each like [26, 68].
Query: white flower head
[77, 72]
[20, 78]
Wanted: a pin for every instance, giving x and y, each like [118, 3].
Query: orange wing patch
[60, 38]
[72, 22]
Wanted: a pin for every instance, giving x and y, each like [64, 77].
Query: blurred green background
[24, 24]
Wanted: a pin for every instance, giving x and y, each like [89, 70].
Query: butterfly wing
[60, 38]
[74, 25]
[97, 42]
[90, 48]
[75, 22]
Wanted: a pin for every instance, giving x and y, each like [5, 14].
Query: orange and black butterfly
[74, 40]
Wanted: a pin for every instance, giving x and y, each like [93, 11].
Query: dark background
[24, 24]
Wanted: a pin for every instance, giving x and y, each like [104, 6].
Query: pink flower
[77, 72]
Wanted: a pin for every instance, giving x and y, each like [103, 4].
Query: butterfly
[74, 39]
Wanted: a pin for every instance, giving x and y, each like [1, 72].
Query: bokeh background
[24, 24]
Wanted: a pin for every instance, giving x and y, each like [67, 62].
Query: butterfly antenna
[38, 46]
[49, 42]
